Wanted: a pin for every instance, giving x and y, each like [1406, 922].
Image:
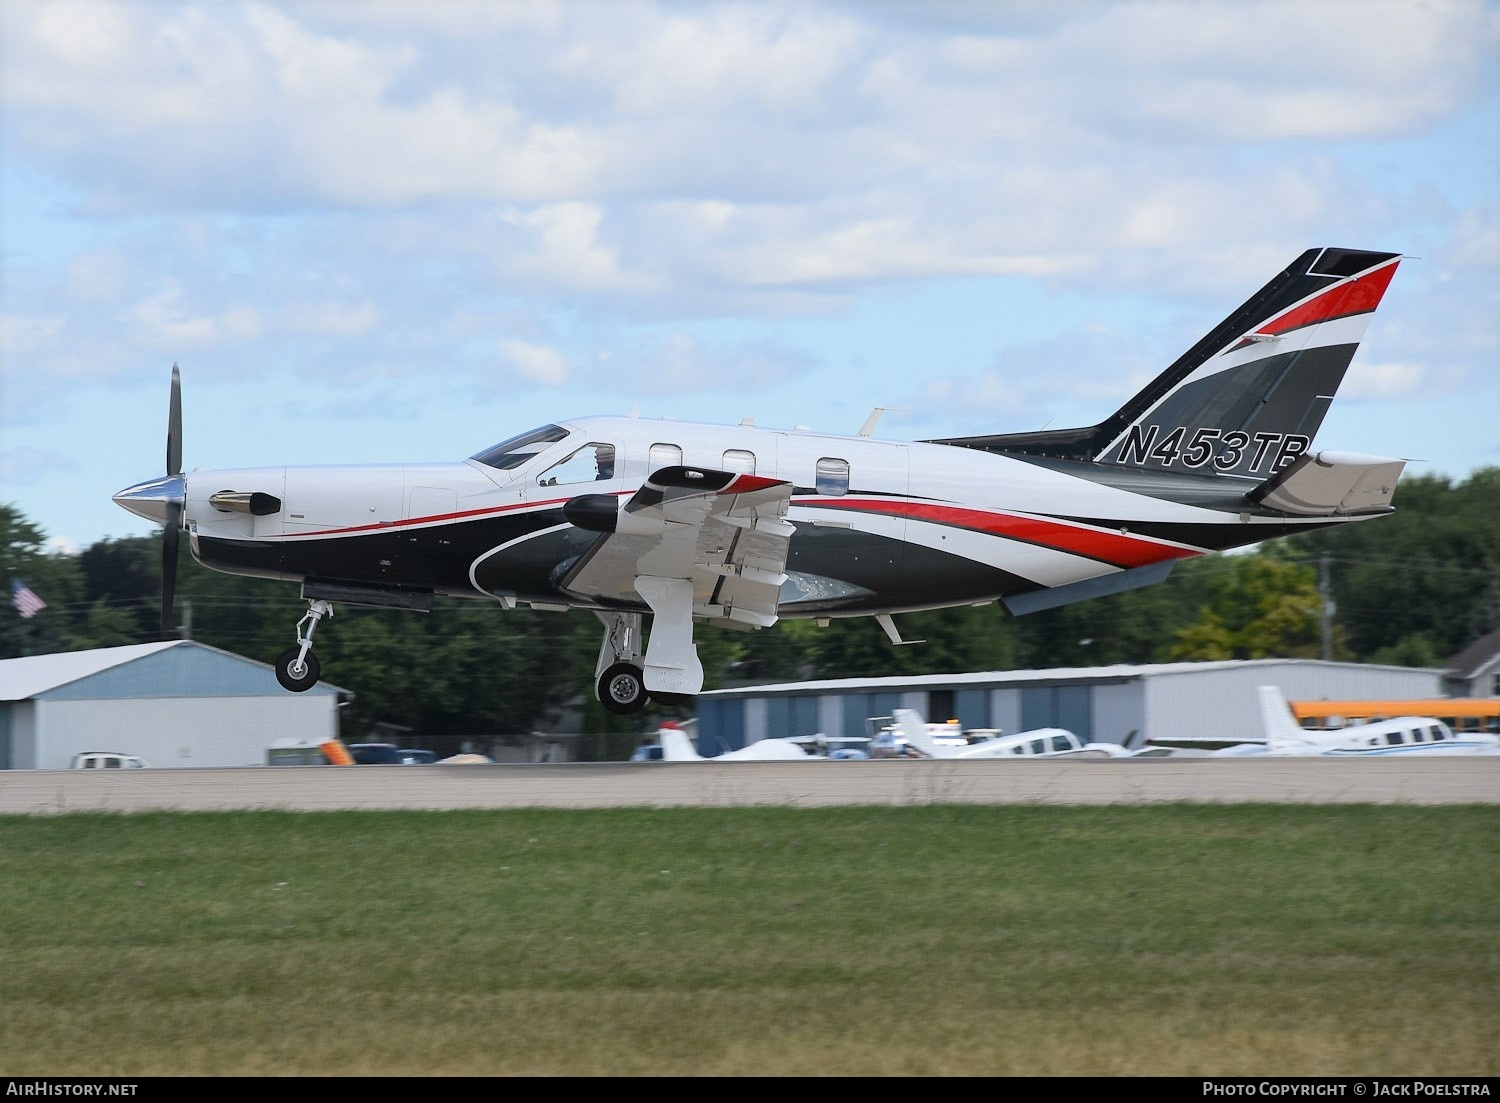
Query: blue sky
[404, 230]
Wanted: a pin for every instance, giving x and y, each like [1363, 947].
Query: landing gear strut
[297, 668]
[669, 673]
[619, 680]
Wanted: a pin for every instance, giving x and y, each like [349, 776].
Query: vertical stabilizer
[676, 746]
[1248, 398]
[1276, 718]
[911, 727]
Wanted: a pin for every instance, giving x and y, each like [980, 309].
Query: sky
[394, 230]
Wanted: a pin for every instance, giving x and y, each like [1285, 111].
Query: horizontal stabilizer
[1326, 483]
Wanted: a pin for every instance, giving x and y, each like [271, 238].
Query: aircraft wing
[725, 532]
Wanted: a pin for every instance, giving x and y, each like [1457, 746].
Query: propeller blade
[170, 538]
[174, 425]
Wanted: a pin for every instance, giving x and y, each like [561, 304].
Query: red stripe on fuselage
[1118, 549]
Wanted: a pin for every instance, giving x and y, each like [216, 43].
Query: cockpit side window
[512, 453]
[591, 463]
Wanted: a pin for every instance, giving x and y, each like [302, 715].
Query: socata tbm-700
[739, 526]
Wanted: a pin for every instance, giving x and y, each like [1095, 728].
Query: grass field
[915, 941]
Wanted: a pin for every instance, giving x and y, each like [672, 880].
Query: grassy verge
[1166, 940]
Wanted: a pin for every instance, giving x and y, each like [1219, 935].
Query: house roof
[30, 675]
[33, 675]
[1478, 655]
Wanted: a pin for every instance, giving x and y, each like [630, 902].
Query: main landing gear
[623, 676]
[619, 678]
[297, 667]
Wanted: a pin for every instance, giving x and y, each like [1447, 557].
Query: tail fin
[1277, 721]
[914, 730]
[676, 746]
[1249, 397]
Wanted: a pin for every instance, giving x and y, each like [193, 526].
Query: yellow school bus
[1462, 714]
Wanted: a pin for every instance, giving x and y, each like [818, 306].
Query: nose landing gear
[297, 668]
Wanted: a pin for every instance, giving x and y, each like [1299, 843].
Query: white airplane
[840, 748]
[917, 734]
[1401, 735]
[677, 747]
[739, 526]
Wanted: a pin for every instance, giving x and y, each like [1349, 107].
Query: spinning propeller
[175, 503]
[164, 501]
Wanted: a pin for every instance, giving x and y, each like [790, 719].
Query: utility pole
[1325, 592]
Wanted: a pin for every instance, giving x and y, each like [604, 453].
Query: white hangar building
[178, 703]
[1117, 704]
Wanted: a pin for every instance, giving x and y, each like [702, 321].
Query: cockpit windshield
[509, 454]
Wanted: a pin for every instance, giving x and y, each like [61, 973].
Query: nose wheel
[297, 668]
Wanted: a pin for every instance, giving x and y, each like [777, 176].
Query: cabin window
[1418, 735]
[1435, 733]
[739, 460]
[832, 476]
[591, 463]
[1018, 749]
[665, 455]
[1393, 739]
[1038, 746]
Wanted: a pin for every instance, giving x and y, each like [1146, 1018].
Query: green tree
[52, 577]
[1430, 570]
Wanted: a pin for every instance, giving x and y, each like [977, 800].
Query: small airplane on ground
[912, 732]
[738, 526]
[677, 747]
[840, 748]
[1401, 735]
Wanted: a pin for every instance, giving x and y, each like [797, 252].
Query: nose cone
[151, 499]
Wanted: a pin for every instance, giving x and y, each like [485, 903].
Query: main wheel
[621, 690]
[297, 676]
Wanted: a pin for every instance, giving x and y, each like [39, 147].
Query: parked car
[651, 752]
[375, 754]
[108, 760]
[388, 754]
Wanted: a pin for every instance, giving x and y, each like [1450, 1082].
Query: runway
[1468, 780]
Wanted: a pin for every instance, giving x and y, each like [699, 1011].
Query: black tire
[621, 690]
[305, 679]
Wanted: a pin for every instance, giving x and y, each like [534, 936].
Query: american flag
[26, 602]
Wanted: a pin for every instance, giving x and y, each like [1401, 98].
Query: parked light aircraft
[1401, 735]
[677, 747]
[739, 526]
[916, 734]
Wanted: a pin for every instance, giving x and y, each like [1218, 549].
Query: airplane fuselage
[880, 525]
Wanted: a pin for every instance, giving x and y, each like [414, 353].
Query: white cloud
[1386, 382]
[538, 363]
[162, 322]
[20, 334]
[333, 319]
